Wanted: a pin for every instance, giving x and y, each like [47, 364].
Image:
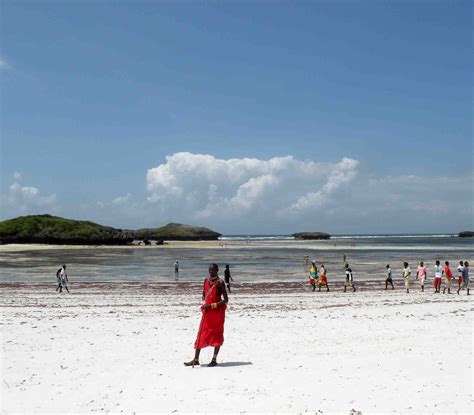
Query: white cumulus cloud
[25, 199]
[203, 186]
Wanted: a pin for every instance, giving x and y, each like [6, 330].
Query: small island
[466, 234]
[311, 235]
[54, 230]
[177, 232]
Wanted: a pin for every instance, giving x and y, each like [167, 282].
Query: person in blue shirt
[465, 278]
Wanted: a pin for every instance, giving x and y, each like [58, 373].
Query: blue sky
[97, 95]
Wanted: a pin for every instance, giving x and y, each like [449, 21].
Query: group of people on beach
[438, 272]
[320, 279]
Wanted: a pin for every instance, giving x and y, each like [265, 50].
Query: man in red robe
[211, 329]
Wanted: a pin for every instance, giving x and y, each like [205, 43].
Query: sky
[248, 117]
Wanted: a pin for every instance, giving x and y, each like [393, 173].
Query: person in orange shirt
[448, 277]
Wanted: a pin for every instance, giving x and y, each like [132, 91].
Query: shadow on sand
[230, 364]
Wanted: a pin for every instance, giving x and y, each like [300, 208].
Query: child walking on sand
[62, 279]
[460, 270]
[323, 280]
[406, 276]
[438, 271]
[449, 277]
[388, 280]
[313, 274]
[227, 277]
[421, 275]
[465, 277]
[349, 279]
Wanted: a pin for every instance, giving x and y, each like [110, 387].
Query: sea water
[256, 258]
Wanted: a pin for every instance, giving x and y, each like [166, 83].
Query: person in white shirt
[349, 279]
[389, 280]
[62, 279]
[438, 271]
[460, 271]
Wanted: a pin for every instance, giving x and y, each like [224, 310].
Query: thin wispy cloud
[3, 64]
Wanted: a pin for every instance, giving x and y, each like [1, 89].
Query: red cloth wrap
[211, 329]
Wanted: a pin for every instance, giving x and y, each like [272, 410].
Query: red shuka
[211, 329]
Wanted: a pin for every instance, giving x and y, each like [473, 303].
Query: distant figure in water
[421, 275]
[62, 279]
[465, 277]
[349, 279]
[323, 280]
[227, 277]
[388, 280]
[449, 277]
[306, 259]
[176, 267]
[211, 329]
[313, 274]
[406, 275]
[344, 258]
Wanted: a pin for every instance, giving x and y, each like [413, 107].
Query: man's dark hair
[213, 265]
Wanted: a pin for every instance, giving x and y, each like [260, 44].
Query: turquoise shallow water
[275, 258]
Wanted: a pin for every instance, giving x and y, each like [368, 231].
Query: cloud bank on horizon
[278, 195]
[203, 186]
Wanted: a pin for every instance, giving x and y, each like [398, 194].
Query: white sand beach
[121, 347]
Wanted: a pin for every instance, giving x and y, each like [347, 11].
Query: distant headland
[48, 229]
[466, 234]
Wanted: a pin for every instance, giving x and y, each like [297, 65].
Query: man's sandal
[213, 363]
[193, 362]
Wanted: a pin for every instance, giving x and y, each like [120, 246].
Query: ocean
[252, 258]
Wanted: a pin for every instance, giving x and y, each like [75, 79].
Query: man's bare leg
[195, 361]
[214, 357]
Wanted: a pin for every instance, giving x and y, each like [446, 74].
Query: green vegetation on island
[48, 229]
[311, 235]
[177, 232]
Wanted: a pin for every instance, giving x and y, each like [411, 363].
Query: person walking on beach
[460, 270]
[306, 259]
[449, 277]
[313, 274]
[421, 275]
[406, 276]
[227, 277]
[465, 277]
[62, 279]
[176, 267]
[323, 280]
[438, 271]
[349, 279]
[388, 280]
[211, 329]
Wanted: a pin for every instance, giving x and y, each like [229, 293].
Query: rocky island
[311, 235]
[466, 234]
[177, 232]
[48, 229]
